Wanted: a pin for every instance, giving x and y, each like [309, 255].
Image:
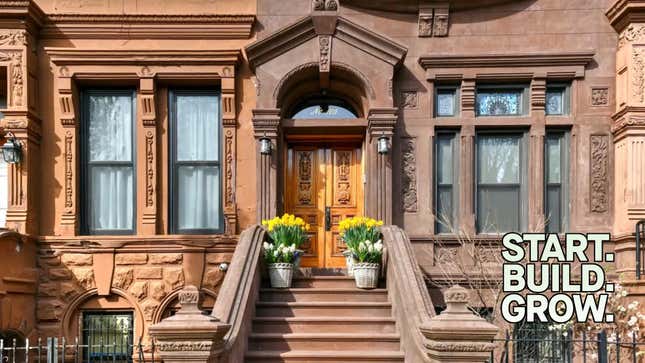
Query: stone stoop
[324, 318]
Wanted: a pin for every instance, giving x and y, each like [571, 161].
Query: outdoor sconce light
[11, 149]
[265, 145]
[383, 145]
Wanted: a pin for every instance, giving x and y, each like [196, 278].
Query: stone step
[334, 281]
[347, 324]
[323, 294]
[323, 309]
[324, 341]
[309, 356]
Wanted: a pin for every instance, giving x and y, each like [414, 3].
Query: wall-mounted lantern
[265, 145]
[383, 144]
[11, 149]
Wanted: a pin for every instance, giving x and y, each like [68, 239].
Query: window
[535, 343]
[325, 108]
[108, 159]
[501, 100]
[446, 104]
[500, 182]
[556, 181]
[446, 177]
[195, 162]
[557, 99]
[107, 336]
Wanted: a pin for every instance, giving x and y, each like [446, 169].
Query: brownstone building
[156, 134]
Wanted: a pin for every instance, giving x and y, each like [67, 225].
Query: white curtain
[197, 156]
[111, 203]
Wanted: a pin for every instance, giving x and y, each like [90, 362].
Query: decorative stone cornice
[381, 121]
[525, 65]
[25, 12]
[624, 12]
[305, 29]
[67, 56]
[148, 26]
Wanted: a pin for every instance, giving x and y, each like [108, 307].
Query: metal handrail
[639, 230]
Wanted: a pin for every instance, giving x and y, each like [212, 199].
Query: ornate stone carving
[17, 79]
[185, 346]
[331, 5]
[461, 347]
[188, 297]
[321, 5]
[444, 255]
[325, 52]
[409, 99]
[148, 116]
[69, 172]
[599, 178]
[150, 169]
[638, 78]
[456, 294]
[228, 172]
[13, 38]
[440, 25]
[343, 187]
[409, 175]
[634, 32]
[304, 177]
[425, 25]
[599, 96]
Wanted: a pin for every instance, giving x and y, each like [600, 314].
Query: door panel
[323, 178]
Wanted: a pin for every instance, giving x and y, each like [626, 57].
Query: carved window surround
[144, 68]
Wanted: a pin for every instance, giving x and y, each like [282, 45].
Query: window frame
[564, 177]
[455, 95]
[84, 217]
[504, 87]
[455, 177]
[566, 98]
[522, 134]
[85, 334]
[173, 226]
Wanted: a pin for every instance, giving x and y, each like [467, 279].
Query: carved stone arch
[278, 92]
[369, 90]
[72, 309]
[170, 298]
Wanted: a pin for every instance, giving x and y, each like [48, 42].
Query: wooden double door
[323, 186]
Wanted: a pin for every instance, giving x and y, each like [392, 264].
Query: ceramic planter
[280, 275]
[349, 262]
[366, 274]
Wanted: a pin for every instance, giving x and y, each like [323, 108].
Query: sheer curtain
[110, 162]
[197, 163]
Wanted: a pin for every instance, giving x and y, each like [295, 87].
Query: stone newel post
[189, 336]
[457, 335]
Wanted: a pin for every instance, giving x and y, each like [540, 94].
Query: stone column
[537, 217]
[148, 152]
[381, 122]
[457, 335]
[190, 336]
[266, 123]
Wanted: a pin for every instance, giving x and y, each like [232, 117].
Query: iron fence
[639, 233]
[61, 350]
[569, 348]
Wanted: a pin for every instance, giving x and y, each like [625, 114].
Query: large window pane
[110, 127]
[195, 164]
[108, 172]
[111, 203]
[198, 197]
[553, 162]
[107, 337]
[498, 209]
[445, 177]
[555, 181]
[197, 127]
[499, 159]
[499, 183]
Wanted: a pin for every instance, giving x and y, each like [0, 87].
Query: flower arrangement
[279, 253]
[359, 229]
[287, 230]
[369, 252]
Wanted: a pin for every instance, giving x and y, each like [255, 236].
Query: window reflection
[499, 103]
[323, 108]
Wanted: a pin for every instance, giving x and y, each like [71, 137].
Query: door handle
[327, 218]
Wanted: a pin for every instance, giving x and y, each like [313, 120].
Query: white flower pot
[349, 262]
[366, 274]
[280, 275]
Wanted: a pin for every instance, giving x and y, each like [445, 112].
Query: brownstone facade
[414, 73]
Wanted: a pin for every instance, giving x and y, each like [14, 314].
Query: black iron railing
[568, 348]
[60, 350]
[640, 236]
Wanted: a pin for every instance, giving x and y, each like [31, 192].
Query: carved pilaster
[266, 123]
[466, 177]
[409, 175]
[229, 117]
[381, 122]
[468, 97]
[538, 94]
[148, 152]
[599, 173]
[536, 216]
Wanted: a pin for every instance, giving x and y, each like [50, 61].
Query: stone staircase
[324, 318]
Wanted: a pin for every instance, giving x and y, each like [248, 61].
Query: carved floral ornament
[633, 33]
[599, 173]
[13, 38]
